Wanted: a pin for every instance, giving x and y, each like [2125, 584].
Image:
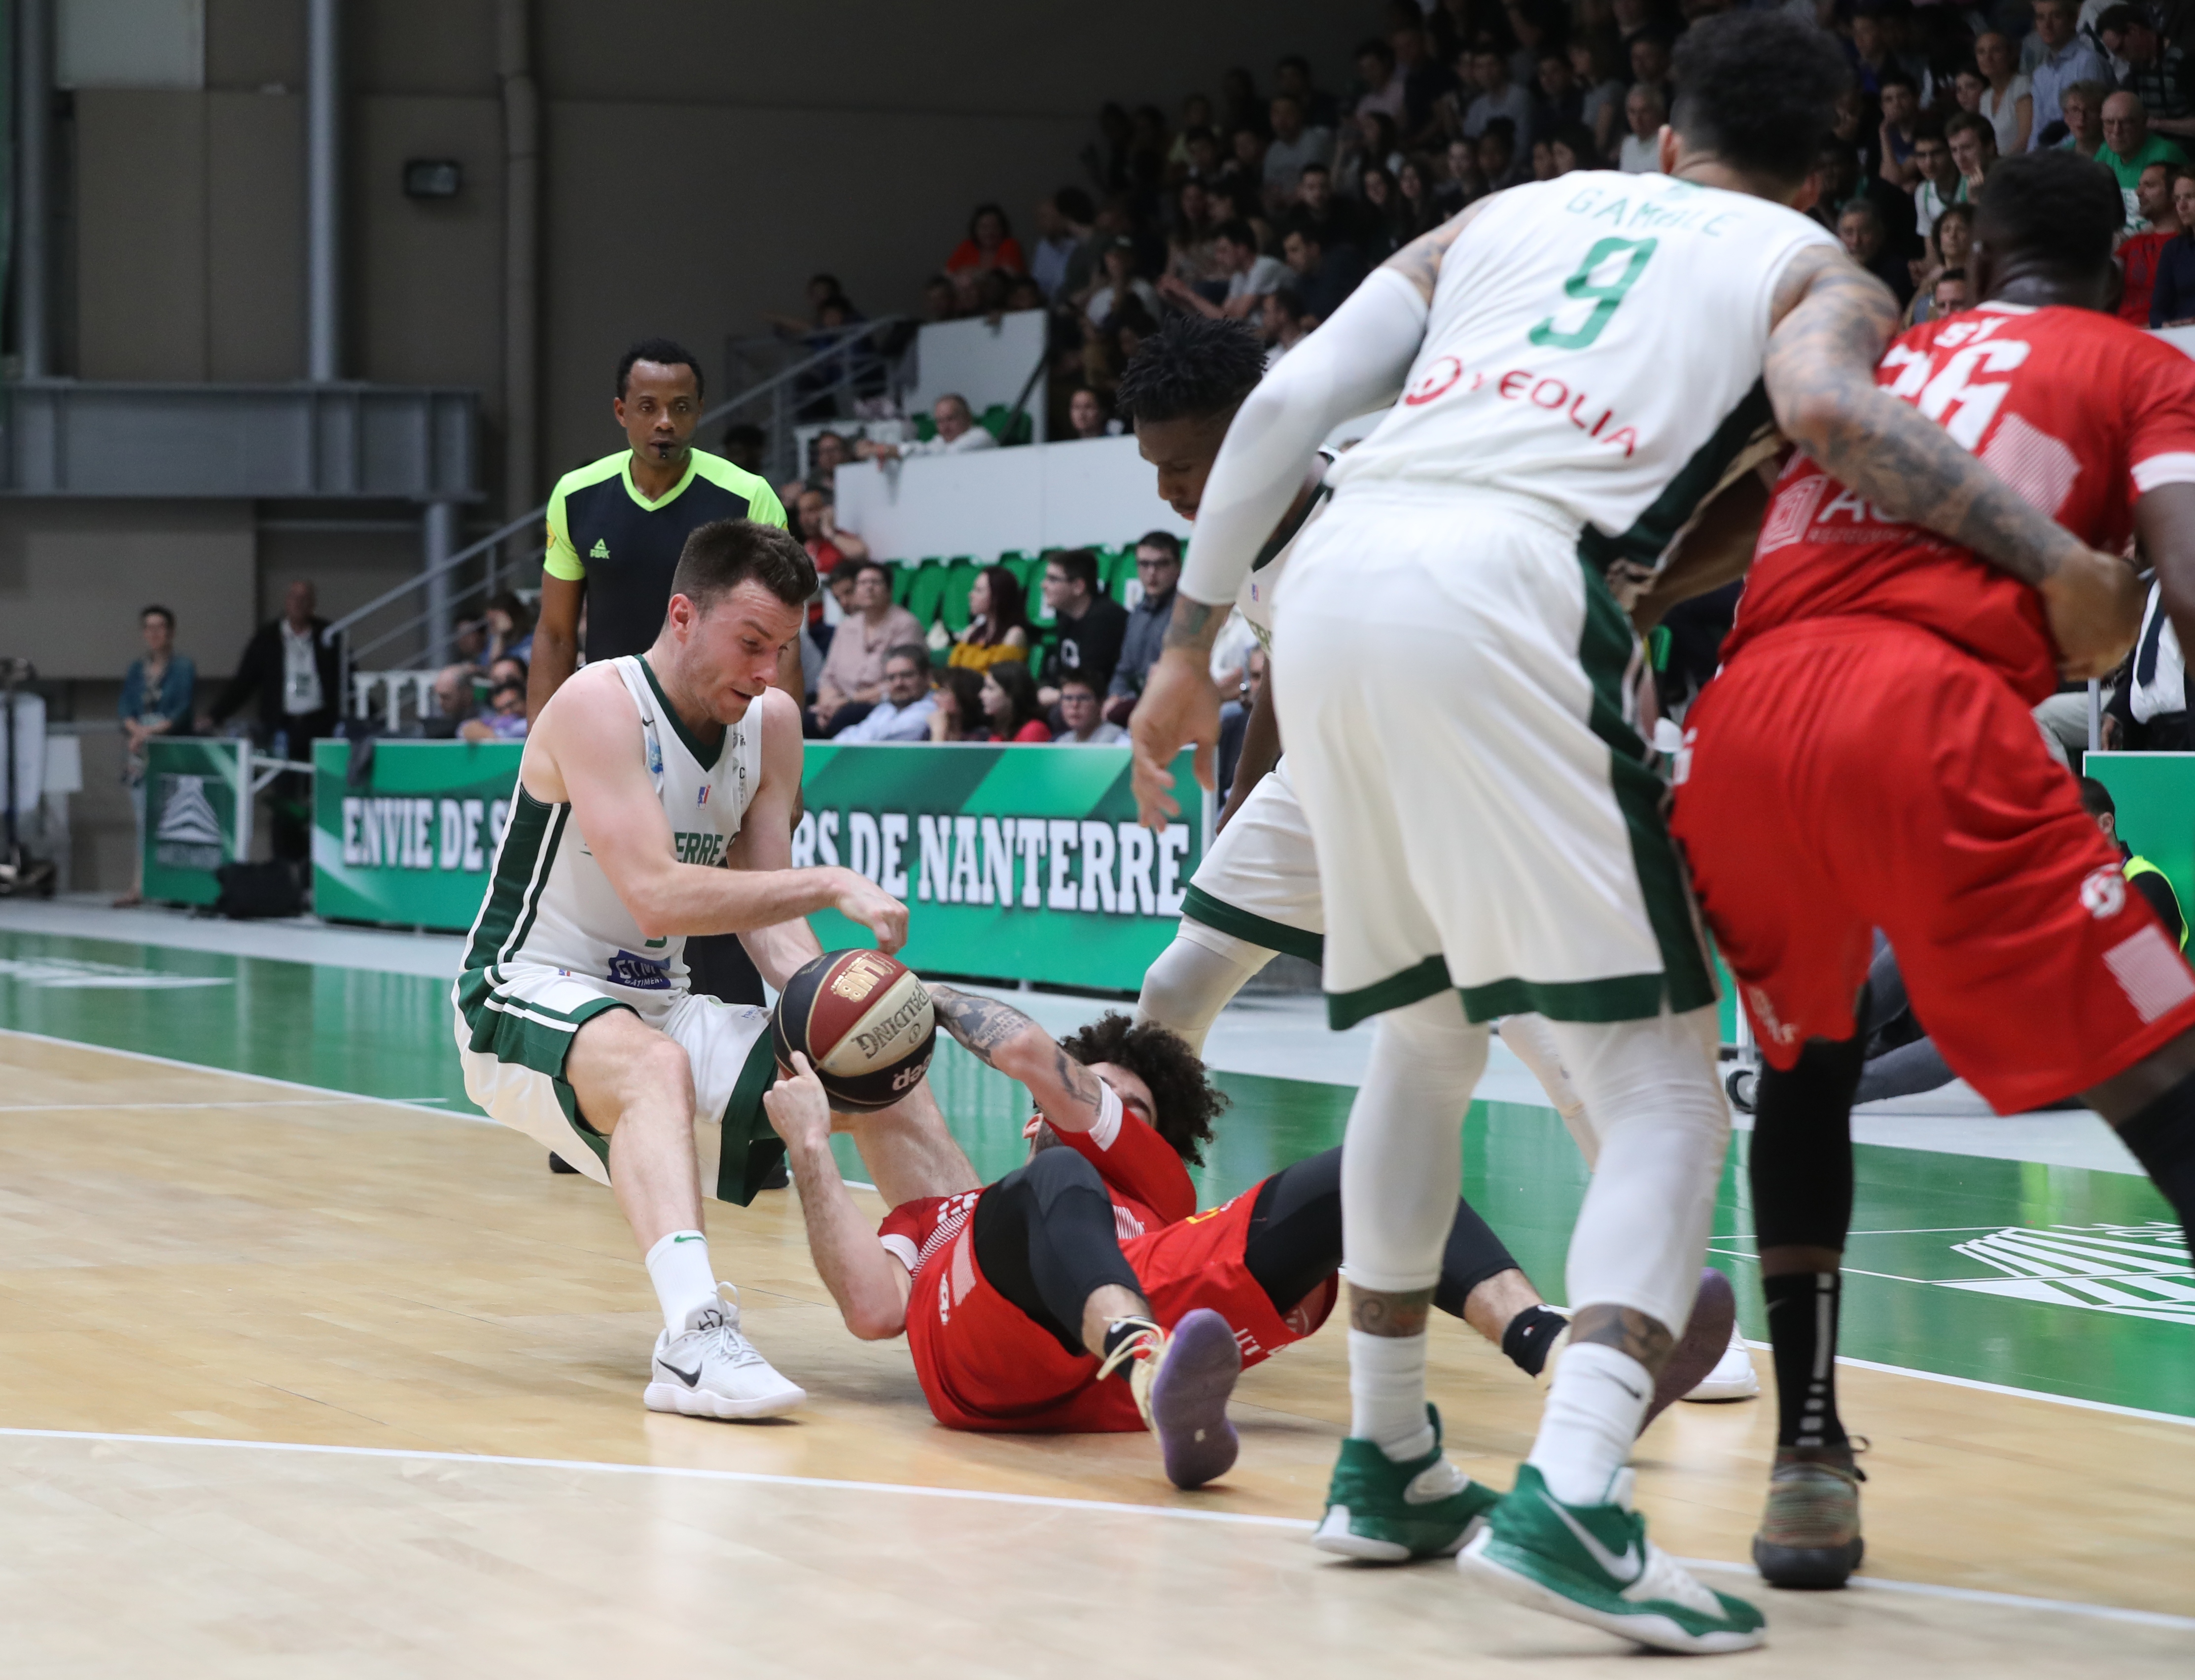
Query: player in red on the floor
[1867, 759]
[1021, 1300]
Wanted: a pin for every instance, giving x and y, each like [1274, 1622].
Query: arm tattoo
[1420, 262]
[1379, 1312]
[1192, 625]
[1628, 1331]
[1833, 321]
[981, 1024]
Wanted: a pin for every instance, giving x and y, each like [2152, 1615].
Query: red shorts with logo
[986, 1365]
[1853, 774]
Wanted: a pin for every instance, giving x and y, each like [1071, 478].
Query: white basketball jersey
[550, 903]
[1255, 599]
[1595, 342]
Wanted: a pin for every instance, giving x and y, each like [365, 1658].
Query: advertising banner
[197, 811]
[411, 844]
[1015, 862]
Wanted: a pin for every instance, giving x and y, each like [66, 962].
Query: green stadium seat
[902, 579]
[927, 590]
[1116, 569]
[953, 599]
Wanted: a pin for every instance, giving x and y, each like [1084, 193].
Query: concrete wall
[702, 159]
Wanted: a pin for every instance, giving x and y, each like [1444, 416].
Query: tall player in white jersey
[654, 800]
[1582, 364]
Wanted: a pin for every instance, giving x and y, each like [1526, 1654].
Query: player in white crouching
[1256, 893]
[655, 800]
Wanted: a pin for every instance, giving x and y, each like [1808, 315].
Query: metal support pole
[440, 532]
[323, 189]
[34, 120]
[521, 239]
[2095, 715]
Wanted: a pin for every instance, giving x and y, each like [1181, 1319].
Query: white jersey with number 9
[1595, 341]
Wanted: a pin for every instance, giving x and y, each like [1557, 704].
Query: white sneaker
[1734, 1377]
[709, 1370]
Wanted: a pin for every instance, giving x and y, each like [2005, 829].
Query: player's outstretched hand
[799, 1110]
[2094, 601]
[1179, 708]
[860, 900]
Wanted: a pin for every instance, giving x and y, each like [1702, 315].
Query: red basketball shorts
[1858, 774]
[984, 1364]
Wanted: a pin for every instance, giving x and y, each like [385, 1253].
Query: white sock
[685, 1282]
[1387, 1393]
[1594, 1408]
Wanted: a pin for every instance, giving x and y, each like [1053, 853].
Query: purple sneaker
[1700, 1347]
[1182, 1392]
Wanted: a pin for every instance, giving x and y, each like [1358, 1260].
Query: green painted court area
[2062, 1279]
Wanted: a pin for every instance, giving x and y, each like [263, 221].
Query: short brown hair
[721, 555]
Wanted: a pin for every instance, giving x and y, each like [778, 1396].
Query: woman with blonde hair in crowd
[997, 623]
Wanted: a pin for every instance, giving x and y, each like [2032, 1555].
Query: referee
[616, 529]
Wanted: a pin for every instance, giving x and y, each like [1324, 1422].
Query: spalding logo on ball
[865, 1023]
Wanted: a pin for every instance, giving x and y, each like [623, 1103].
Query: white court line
[1036, 1501]
[324, 1092]
[334, 1099]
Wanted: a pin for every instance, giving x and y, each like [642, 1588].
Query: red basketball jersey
[2077, 412]
[1148, 1185]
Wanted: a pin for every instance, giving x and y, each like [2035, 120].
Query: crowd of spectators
[1269, 204]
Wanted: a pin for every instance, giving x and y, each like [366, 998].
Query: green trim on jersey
[531, 1035]
[522, 863]
[1651, 534]
[687, 739]
[1199, 906]
[1604, 649]
[1344, 1010]
[564, 561]
[751, 1147]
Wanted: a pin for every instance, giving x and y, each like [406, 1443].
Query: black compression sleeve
[1802, 1151]
[1045, 1238]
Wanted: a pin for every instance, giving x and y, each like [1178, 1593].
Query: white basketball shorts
[1260, 880]
[1483, 815]
[515, 1026]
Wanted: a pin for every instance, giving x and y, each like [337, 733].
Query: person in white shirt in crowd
[1086, 720]
[1498, 96]
[2008, 101]
[958, 434]
[1252, 278]
[1640, 153]
[1062, 223]
[903, 714]
[2066, 59]
[1295, 143]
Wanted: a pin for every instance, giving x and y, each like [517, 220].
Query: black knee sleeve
[1801, 1165]
[1294, 1241]
[1045, 1238]
[1473, 1255]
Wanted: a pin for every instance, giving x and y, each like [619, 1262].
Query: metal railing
[435, 583]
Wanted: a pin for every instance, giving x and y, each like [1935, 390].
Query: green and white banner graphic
[1015, 862]
[197, 812]
[410, 844]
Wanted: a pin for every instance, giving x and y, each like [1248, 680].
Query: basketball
[863, 1021]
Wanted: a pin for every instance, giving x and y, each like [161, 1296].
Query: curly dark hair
[1194, 368]
[1187, 1104]
[1758, 89]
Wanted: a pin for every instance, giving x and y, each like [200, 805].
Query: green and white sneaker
[1593, 1564]
[1379, 1511]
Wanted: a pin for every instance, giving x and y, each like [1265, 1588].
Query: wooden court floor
[300, 1385]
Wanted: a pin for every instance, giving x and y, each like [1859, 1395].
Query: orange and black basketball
[864, 1021]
